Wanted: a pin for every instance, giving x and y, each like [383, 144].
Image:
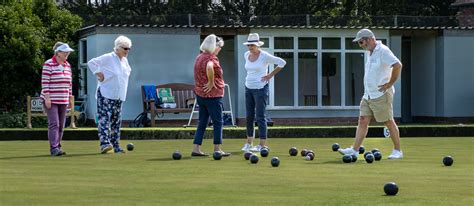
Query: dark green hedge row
[239, 133]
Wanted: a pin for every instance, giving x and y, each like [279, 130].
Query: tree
[28, 30]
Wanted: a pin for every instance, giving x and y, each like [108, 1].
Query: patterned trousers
[109, 111]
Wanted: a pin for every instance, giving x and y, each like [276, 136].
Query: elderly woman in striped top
[56, 92]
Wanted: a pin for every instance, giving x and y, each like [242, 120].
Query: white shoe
[348, 151]
[256, 148]
[247, 147]
[396, 154]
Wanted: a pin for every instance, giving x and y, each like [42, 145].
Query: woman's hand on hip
[100, 76]
[266, 78]
[208, 87]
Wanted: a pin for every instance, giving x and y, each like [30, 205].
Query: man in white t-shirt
[381, 71]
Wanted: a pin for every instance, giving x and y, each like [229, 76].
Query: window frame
[319, 51]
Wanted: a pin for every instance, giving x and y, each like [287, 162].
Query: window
[83, 48]
[83, 67]
[321, 72]
[283, 42]
[354, 78]
[266, 42]
[331, 81]
[331, 43]
[307, 79]
[307, 43]
[283, 82]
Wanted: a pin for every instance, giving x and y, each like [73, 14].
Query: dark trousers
[209, 107]
[256, 101]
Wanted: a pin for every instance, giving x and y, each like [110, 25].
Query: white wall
[442, 75]
[458, 76]
[154, 58]
[396, 47]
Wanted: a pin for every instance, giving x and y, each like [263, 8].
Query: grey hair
[123, 42]
[56, 46]
[211, 42]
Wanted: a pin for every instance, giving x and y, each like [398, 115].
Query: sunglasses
[361, 41]
[126, 49]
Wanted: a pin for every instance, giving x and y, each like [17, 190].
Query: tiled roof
[279, 27]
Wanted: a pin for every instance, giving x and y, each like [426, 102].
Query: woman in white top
[112, 71]
[256, 89]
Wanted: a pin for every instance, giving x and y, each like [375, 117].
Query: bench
[181, 92]
[34, 108]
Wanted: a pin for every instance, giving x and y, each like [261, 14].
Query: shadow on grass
[165, 159]
[49, 156]
[330, 162]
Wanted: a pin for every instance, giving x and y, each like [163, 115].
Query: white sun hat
[64, 48]
[254, 39]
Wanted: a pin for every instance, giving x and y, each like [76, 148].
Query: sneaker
[105, 149]
[225, 154]
[56, 152]
[62, 152]
[396, 154]
[256, 148]
[247, 147]
[348, 151]
[119, 150]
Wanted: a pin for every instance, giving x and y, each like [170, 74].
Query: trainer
[381, 71]
[56, 92]
[209, 90]
[112, 71]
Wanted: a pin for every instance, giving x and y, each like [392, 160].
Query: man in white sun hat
[381, 71]
[256, 88]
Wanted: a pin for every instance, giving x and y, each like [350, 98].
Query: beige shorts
[380, 108]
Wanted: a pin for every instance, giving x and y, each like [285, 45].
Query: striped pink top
[56, 81]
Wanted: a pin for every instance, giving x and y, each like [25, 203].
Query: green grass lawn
[148, 175]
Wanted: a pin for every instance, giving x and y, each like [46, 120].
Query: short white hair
[211, 42]
[122, 42]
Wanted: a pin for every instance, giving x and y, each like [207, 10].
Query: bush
[28, 30]
[18, 120]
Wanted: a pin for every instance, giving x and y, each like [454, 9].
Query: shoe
[396, 154]
[256, 148]
[105, 149]
[225, 154]
[247, 147]
[56, 152]
[348, 151]
[197, 154]
[119, 150]
[62, 152]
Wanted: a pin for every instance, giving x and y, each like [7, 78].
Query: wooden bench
[34, 108]
[181, 93]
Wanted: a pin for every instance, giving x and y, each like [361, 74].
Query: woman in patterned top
[209, 90]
